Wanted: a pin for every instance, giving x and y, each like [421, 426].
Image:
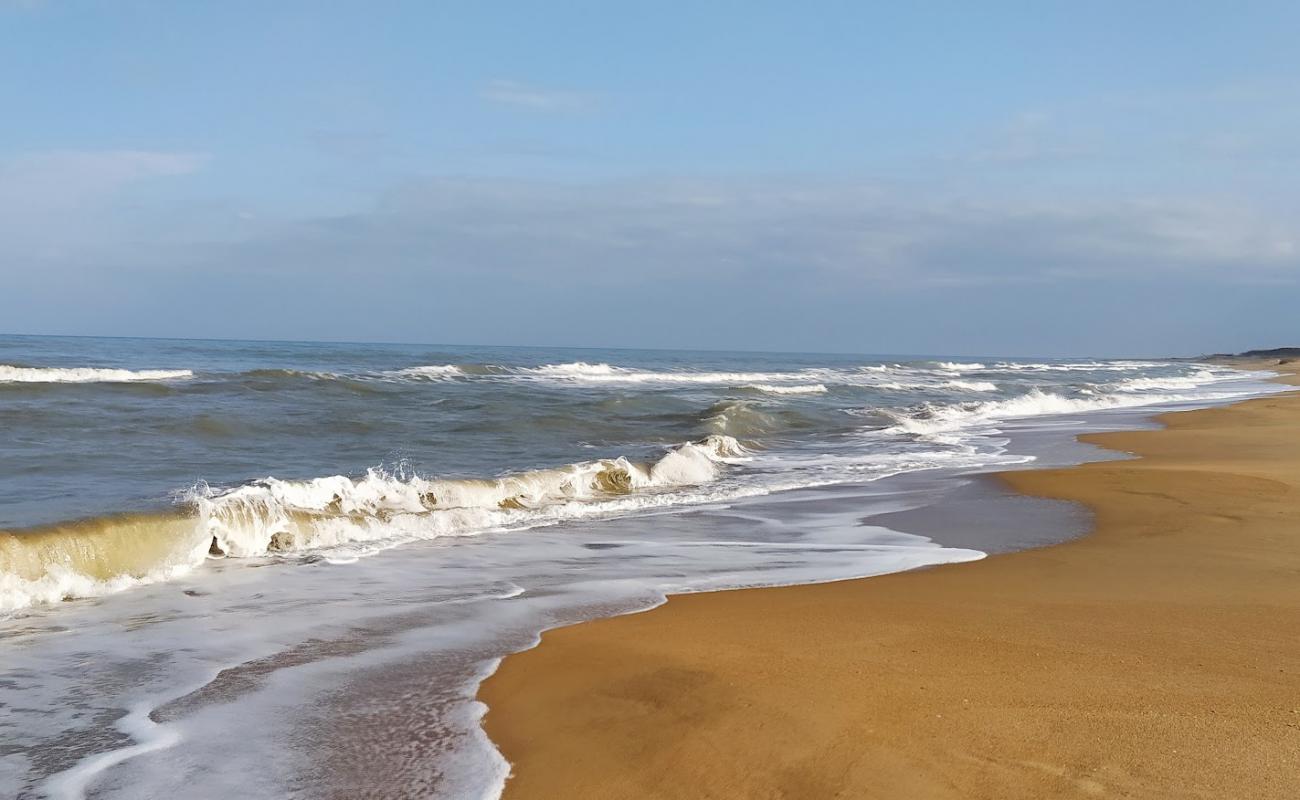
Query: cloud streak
[844, 231]
[764, 232]
[76, 173]
[529, 97]
[827, 264]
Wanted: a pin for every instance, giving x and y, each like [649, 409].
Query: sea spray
[279, 517]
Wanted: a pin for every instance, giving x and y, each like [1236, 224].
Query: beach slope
[1158, 657]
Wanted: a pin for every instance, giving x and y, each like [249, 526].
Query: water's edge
[404, 684]
[977, 497]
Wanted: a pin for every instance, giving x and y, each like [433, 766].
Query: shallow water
[325, 546]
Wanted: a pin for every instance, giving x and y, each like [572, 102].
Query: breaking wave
[917, 376]
[94, 557]
[932, 385]
[381, 509]
[956, 366]
[431, 372]
[930, 418]
[1198, 378]
[15, 374]
[1078, 366]
[808, 388]
[971, 386]
[343, 517]
[580, 369]
[580, 372]
[751, 420]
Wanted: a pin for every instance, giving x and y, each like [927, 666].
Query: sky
[996, 178]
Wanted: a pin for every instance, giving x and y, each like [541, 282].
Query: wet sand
[1158, 657]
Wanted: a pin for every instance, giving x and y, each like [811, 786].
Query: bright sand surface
[1158, 657]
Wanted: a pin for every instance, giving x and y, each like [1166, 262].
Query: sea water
[266, 569]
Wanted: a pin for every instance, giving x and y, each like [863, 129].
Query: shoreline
[1150, 657]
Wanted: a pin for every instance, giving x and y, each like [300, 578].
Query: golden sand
[1158, 657]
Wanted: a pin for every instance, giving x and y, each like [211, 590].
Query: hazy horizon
[943, 179]
[700, 350]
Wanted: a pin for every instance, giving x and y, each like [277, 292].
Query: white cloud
[844, 236]
[803, 233]
[704, 262]
[517, 94]
[76, 171]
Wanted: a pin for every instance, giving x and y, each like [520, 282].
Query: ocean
[272, 569]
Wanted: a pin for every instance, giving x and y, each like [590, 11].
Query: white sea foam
[61, 582]
[917, 376]
[924, 375]
[345, 518]
[148, 735]
[930, 383]
[12, 374]
[582, 372]
[931, 418]
[1078, 366]
[935, 418]
[580, 369]
[274, 515]
[971, 386]
[806, 388]
[431, 372]
[1198, 378]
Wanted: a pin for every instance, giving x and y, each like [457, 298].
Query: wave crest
[431, 372]
[583, 372]
[15, 374]
[274, 516]
[932, 418]
[806, 388]
[94, 557]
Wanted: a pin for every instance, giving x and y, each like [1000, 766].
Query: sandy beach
[1158, 657]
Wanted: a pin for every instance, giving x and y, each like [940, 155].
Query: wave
[754, 420]
[805, 388]
[806, 381]
[579, 369]
[955, 366]
[931, 418]
[971, 386]
[95, 557]
[739, 418]
[1198, 378]
[931, 385]
[431, 372]
[582, 372]
[275, 374]
[274, 516]
[16, 374]
[1080, 366]
[920, 375]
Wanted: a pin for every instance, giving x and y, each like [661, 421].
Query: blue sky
[998, 178]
